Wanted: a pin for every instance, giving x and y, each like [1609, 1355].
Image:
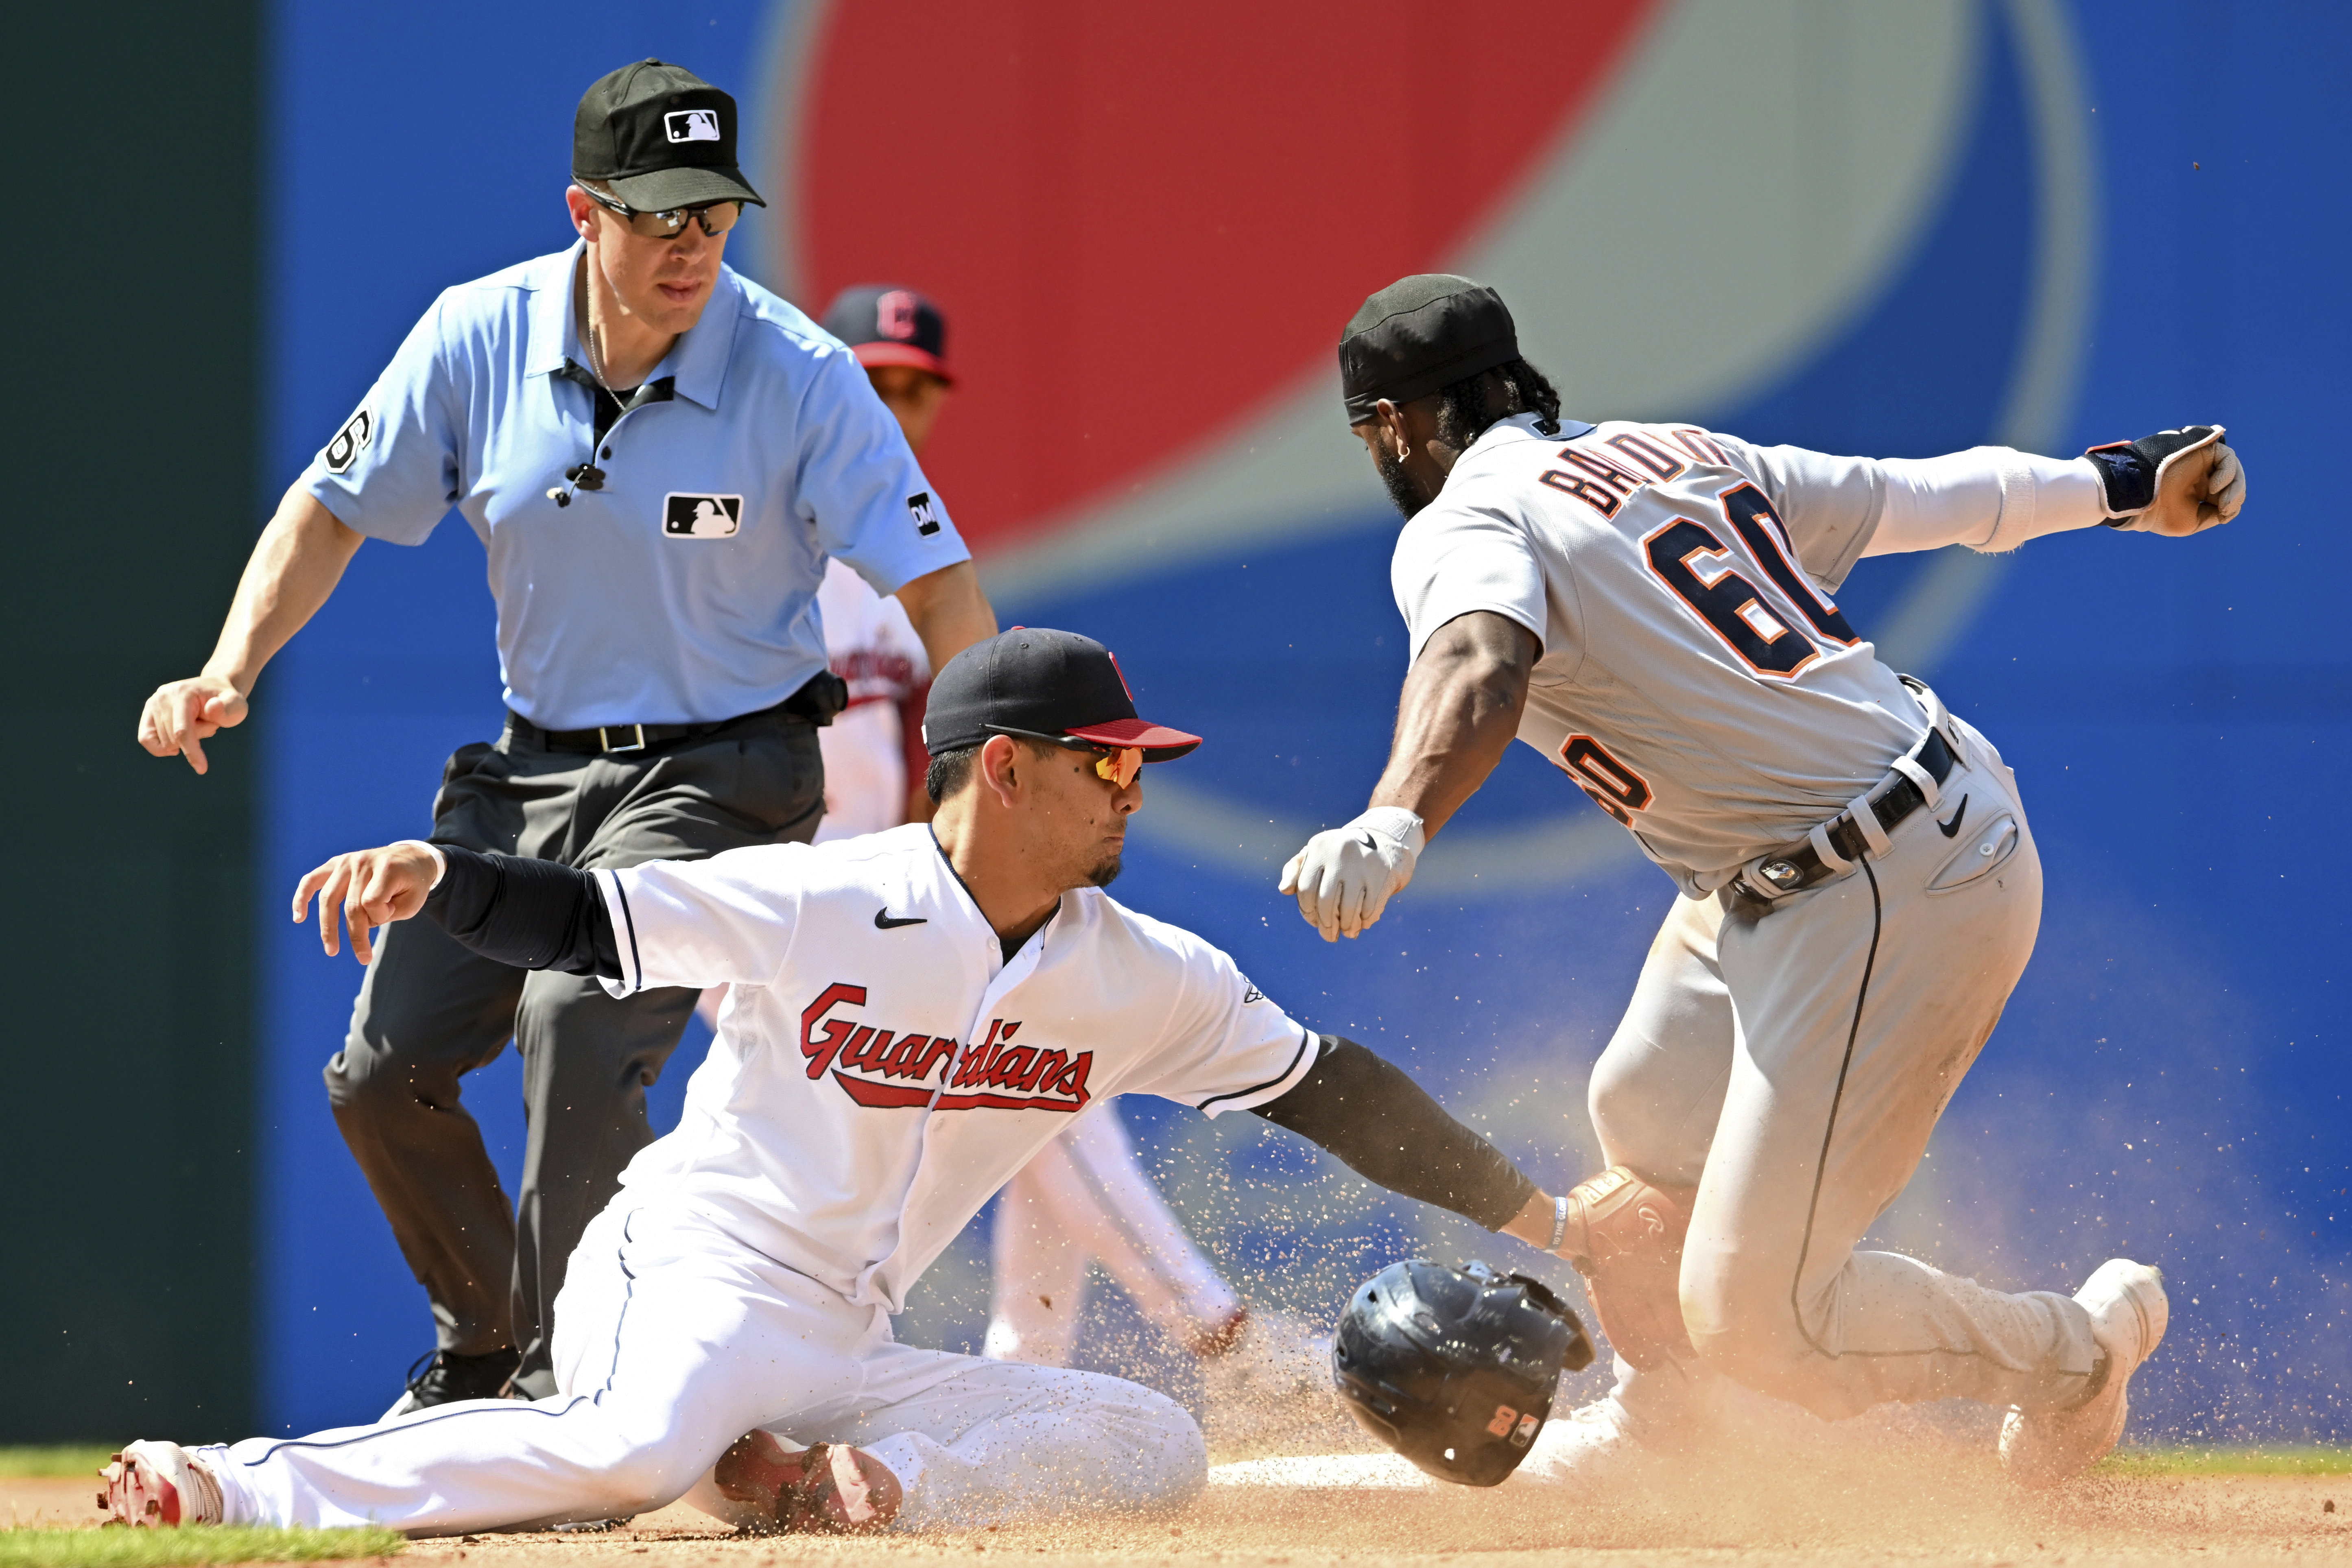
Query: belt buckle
[604, 738]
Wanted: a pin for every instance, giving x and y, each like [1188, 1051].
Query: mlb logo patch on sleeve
[927, 517]
[692, 125]
[701, 517]
[350, 442]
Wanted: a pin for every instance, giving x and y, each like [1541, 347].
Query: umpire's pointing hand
[183, 714]
[371, 888]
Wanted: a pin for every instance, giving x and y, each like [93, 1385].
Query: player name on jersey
[882, 1067]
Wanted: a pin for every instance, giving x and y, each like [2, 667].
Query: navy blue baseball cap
[886, 324]
[1047, 685]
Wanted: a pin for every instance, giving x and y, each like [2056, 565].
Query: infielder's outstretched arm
[296, 564]
[1457, 715]
[532, 914]
[1386, 1129]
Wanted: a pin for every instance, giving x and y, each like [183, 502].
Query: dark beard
[1408, 499]
[1105, 872]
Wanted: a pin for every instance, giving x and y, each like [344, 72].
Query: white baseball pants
[1792, 1064]
[1082, 1197]
[671, 1341]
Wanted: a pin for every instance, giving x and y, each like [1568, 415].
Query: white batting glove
[1346, 876]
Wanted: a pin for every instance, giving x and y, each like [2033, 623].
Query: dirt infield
[1905, 1504]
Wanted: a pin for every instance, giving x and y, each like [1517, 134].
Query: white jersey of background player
[912, 1015]
[1085, 1198]
[1649, 606]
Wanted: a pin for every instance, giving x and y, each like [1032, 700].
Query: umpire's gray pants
[430, 1011]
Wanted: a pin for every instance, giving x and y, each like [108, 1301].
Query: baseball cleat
[444, 1377]
[827, 1488]
[159, 1485]
[2128, 1313]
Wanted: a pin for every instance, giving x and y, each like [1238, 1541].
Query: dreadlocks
[1462, 407]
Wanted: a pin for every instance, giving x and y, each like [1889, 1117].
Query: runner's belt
[826, 695]
[1793, 870]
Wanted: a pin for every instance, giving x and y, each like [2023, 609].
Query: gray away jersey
[1696, 680]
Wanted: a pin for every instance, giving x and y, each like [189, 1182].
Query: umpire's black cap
[1044, 684]
[660, 137]
[1420, 333]
[883, 323]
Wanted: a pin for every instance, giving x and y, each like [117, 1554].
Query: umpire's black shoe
[439, 1377]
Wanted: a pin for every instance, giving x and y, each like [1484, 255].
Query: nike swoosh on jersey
[1949, 828]
[885, 920]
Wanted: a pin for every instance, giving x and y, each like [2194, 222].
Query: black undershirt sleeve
[533, 914]
[1386, 1129]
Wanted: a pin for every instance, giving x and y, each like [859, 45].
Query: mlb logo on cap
[692, 125]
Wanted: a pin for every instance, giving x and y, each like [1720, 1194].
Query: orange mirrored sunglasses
[1121, 766]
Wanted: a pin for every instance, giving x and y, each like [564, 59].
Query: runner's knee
[1743, 1324]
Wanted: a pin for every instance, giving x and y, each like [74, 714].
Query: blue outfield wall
[2166, 1082]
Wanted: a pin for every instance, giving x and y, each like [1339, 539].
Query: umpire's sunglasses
[716, 217]
[1117, 765]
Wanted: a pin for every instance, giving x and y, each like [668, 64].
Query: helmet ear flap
[1456, 1369]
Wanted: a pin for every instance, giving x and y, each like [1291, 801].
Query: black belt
[1793, 871]
[826, 695]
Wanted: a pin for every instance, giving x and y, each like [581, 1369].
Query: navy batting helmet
[1454, 1368]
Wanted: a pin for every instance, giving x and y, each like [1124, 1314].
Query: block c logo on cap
[692, 125]
[894, 315]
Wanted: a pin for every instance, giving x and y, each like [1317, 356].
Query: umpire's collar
[697, 361]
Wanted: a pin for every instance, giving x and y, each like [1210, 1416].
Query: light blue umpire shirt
[685, 590]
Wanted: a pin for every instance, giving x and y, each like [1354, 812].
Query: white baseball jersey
[1696, 680]
[872, 645]
[879, 1069]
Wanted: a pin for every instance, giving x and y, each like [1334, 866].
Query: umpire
[659, 457]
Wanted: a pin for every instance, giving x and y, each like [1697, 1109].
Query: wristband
[1559, 1223]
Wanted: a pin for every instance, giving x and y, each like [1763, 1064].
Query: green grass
[64, 1460]
[183, 1548]
[2284, 1461]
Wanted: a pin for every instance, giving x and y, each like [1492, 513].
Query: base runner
[1649, 606]
[914, 1015]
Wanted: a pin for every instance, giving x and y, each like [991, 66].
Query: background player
[659, 457]
[874, 752]
[1085, 1198]
[1648, 606]
[841, 1134]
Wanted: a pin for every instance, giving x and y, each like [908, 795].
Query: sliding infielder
[914, 1015]
[1649, 606]
[1085, 1198]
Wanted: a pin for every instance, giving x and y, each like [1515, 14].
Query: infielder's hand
[2198, 483]
[183, 714]
[1345, 875]
[371, 888]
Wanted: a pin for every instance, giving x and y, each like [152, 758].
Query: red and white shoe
[2129, 1314]
[829, 1489]
[159, 1485]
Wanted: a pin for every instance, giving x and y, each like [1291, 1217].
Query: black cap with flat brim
[1420, 334]
[1046, 684]
[657, 137]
